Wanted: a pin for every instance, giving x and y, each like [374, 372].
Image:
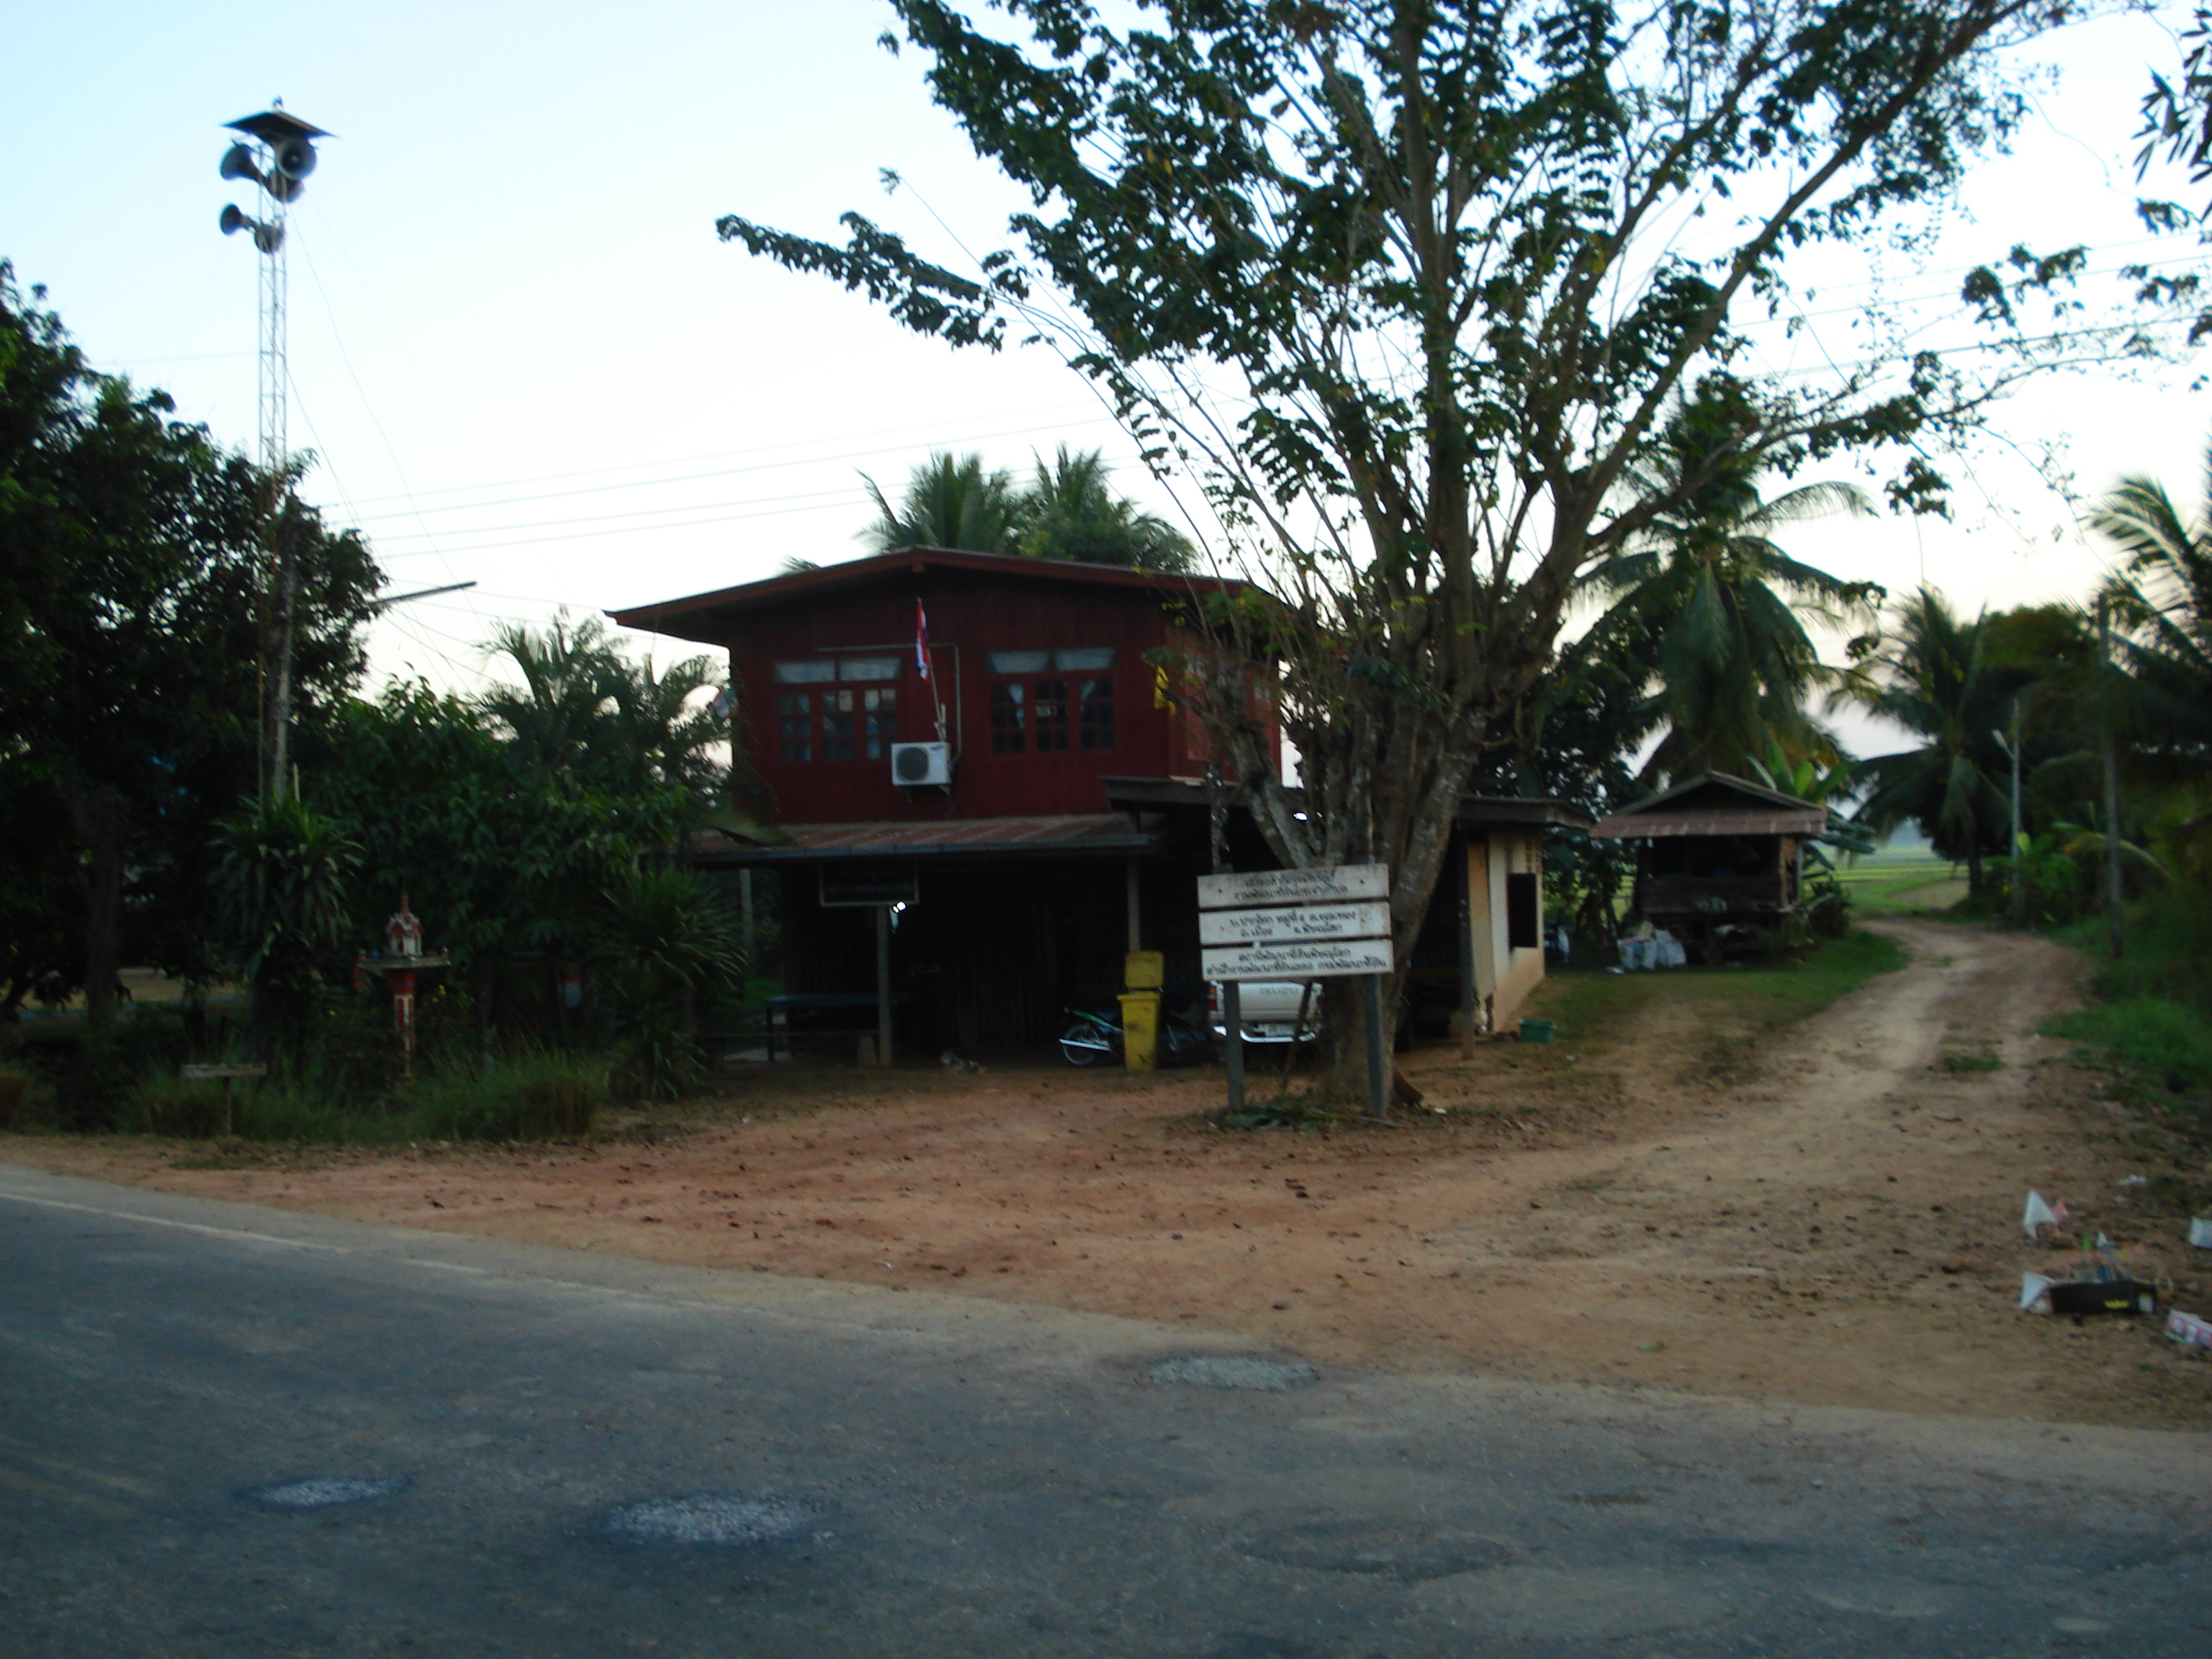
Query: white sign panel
[1318, 960]
[1334, 883]
[1299, 921]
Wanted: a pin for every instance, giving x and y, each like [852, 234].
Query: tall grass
[541, 1096]
[2152, 1012]
[533, 1097]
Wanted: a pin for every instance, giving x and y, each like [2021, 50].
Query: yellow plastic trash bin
[1140, 1029]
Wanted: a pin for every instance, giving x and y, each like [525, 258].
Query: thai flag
[920, 640]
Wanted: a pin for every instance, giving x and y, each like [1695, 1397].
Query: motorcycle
[1096, 1036]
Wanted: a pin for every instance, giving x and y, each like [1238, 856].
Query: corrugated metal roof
[1090, 832]
[1627, 826]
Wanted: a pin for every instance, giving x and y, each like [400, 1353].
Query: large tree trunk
[100, 814]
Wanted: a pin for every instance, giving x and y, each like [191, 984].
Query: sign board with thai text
[1333, 884]
[1369, 919]
[1318, 959]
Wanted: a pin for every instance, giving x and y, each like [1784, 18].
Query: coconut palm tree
[2162, 598]
[1714, 607]
[1070, 511]
[1933, 678]
[586, 713]
[551, 721]
[665, 726]
[949, 502]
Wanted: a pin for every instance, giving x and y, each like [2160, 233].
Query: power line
[771, 506]
[720, 472]
[719, 454]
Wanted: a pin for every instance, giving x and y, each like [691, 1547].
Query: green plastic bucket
[1536, 1030]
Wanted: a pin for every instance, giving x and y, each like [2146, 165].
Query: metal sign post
[1303, 924]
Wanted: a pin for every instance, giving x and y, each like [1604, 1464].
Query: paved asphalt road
[240, 1432]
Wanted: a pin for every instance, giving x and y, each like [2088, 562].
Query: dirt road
[1830, 1216]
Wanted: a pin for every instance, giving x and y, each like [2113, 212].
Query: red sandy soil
[1827, 1217]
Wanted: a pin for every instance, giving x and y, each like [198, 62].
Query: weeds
[1985, 1060]
[1725, 1061]
[543, 1096]
[2153, 1012]
[1278, 1115]
[537, 1098]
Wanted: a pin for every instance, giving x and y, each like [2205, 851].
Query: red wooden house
[946, 728]
[1031, 799]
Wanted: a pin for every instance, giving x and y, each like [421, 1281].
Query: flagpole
[921, 663]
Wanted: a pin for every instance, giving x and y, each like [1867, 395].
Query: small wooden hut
[1719, 858]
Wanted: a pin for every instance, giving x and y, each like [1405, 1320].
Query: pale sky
[523, 357]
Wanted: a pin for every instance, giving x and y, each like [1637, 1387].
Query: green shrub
[2151, 1010]
[171, 1106]
[21, 1092]
[95, 1076]
[537, 1098]
[304, 1108]
[2169, 1044]
[662, 942]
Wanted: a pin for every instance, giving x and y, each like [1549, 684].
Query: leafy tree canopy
[498, 860]
[130, 601]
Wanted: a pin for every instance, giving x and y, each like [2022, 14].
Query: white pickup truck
[1268, 1010]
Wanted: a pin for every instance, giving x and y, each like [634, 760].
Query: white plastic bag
[2040, 1214]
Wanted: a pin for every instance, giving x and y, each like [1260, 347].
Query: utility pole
[2011, 748]
[1232, 1000]
[276, 153]
[2115, 917]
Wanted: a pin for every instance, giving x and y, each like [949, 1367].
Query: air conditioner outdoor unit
[914, 763]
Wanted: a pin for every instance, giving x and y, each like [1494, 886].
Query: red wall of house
[970, 615]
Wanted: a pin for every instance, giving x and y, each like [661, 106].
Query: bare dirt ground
[1830, 1217]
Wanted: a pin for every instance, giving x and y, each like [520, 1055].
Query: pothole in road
[325, 1491]
[1234, 1371]
[1382, 1549]
[727, 1519]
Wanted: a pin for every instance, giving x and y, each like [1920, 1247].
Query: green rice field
[1902, 879]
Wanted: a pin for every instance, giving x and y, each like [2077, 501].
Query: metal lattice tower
[277, 153]
[274, 373]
